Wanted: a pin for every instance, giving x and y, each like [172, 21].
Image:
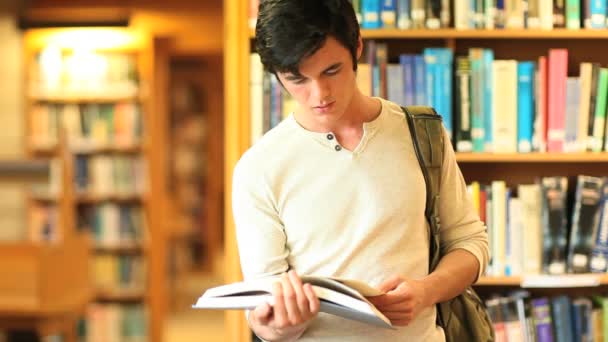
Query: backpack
[463, 318]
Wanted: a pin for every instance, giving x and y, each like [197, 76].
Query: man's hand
[295, 304]
[403, 299]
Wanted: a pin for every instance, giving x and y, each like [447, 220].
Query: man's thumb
[390, 284]
[263, 313]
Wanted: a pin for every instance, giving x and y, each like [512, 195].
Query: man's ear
[359, 46]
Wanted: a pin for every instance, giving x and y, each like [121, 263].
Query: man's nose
[320, 89]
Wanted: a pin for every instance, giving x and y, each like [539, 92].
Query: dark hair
[288, 31]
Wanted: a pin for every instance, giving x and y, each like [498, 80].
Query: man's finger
[386, 299]
[313, 300]
[301, 299]
[291, 305]
[280, 314]
[263, 313]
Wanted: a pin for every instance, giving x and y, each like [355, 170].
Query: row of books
[537, 228]
[521, 317]
[56, 72]
[114, 323]
[481, 14]
[540, 108]
[88, 125]
[110, 175]
[473, 14]
[119, 273]
[111, 224]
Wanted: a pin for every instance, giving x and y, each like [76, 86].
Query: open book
[341, 297]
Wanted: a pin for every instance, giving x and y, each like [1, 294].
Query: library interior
[125, 120]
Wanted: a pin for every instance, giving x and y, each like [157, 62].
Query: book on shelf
[341, 297]
[537, 228]
[540, 108]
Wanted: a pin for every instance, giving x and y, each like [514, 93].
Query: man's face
[325, 85]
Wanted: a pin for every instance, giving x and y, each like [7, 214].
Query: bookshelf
[99, 97]
[584, 45]
[45, 285]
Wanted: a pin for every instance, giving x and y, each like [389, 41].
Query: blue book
[409, 88]
[370, 12]
[486, 91]
[389, 14]
[420, 80]
[478, 118]
[525, 105]
[599, 253]
[541, 311]
[561, 314]
[431, 65]
[598, 13]
[445, 84]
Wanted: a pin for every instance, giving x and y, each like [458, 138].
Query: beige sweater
[299, 202]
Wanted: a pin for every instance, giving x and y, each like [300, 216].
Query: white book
[545, 12]
[513, 255]
[504, 107]
[586, 73]
[499, 221]
[531, 205]
[340, 297]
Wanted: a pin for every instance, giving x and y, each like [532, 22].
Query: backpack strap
[427, 136]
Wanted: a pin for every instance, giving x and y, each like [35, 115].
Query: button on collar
[330, 136]
[338, 147]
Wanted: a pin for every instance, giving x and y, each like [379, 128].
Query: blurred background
[111, 169]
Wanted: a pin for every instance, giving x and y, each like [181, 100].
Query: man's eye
[298, 81]
[332, 72]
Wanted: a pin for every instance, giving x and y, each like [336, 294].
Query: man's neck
[361, 109]
[348, 129]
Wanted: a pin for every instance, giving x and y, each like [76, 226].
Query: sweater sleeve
[461, 227]
[259, 231]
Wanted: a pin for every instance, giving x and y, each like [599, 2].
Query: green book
[573, 14]
[600, 111]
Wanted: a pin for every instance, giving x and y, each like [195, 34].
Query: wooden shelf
[44, 197]
[547, 281]
[121, 296]
[479, 34]
[584, 157]
[89, 198]
[80, 97]
[83, 149]
[24, 168]
[122, 248]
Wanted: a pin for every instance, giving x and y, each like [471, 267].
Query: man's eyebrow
[294, 77]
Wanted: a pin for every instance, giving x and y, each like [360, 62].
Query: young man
[336, 190]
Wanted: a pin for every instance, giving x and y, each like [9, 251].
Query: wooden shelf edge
[547, 281]
[452, 33]
[121, 296]
[535, 157]
[120, 248]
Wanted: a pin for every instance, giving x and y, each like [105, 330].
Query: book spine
[389, 14]
[404, 20]
[525, 104]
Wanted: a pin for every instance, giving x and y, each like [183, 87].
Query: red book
[556, 102]
[540, 124]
